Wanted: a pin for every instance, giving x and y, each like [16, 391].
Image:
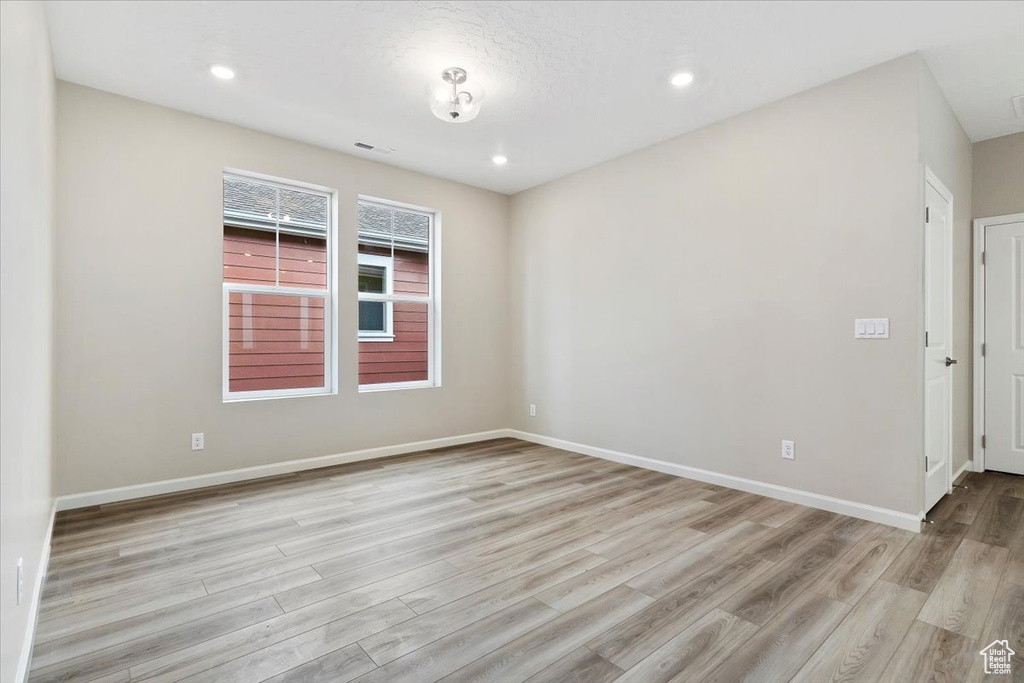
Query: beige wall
[138, 302]
[26, 328]
[694, 302]
[655, 300]
[999, 176]
[946, 150]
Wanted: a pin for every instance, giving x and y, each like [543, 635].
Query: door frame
[931, 179]
[978, 266]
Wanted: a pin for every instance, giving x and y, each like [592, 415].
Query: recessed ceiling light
[499, 159]
[222, 72]
[681, 80]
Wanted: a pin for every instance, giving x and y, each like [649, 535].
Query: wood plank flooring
[506, 561]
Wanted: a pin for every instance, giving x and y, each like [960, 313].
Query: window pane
[371, 316]
[249, 256]
[411, 230]
[303, 212]
[250, 232]
[303, 261]
[303, 239]
[401, 360]
[373, 279]
[404, 236]
[374, 224]
[275, 341]
[412, 258]
[412, 272]
[249, 204]
[274, 236]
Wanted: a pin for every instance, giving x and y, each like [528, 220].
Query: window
[376, 318]
[278, 306]
[398, 296]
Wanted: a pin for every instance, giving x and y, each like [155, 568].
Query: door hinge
[982, 258]
[982, 440]
[983, 349]
[926, 338]
[926, 463]
[926, 214]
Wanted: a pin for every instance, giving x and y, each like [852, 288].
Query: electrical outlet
[533, 410]
[21, 579]
[197, 442]
[788, 450]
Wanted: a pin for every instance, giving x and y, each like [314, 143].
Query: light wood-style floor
[507, 561]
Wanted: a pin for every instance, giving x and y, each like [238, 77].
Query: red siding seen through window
[276, 341]
[405, 358]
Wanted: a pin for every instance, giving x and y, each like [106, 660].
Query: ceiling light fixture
[224, 73]
[499, 159]
[457, 99]
[681, 80]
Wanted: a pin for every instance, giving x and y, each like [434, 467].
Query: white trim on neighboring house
[37, 593]
[871, 513]
[980, 226]
[388, 264]
[79, 500]
[931, 179]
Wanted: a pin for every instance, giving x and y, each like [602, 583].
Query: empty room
[521, 342]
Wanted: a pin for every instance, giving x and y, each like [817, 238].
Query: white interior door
[1004, 347]
[938, 349]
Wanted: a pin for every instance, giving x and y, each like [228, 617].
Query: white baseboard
[966, 467]
[37, 594]
[871, 513]
[80, 500]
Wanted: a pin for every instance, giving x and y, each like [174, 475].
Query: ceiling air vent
[374, 148]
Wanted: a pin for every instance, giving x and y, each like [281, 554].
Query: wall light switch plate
[533, 410]
[871, 328]
[198, 442]
[788, 450]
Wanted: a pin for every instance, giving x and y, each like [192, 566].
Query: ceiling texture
[569, 84]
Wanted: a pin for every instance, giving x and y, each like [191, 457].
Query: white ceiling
[569, 84]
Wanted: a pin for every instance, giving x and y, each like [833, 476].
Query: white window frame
[432, 299]
[328, 295]
[388, 264]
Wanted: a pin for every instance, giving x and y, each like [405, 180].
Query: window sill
[378, 338]
[396, 386]
[272, 397]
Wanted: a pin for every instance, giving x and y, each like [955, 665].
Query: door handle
[950, 361]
